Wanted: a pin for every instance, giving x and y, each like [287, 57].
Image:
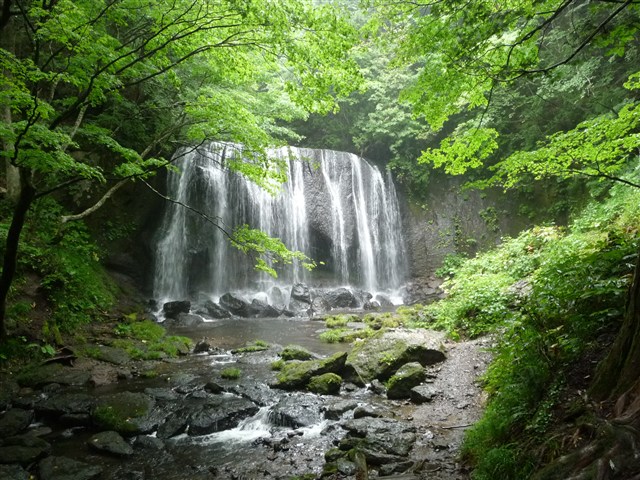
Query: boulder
[175, 424]
[381, 355]
[14, 421]
[147, 442]
[110, 442]
[23, 449]
[300, 291]
[42, 375]
[371, 305]
[224, 414]
[297, 410]
[408, 376]
[341, 298]
[320, 305]
[333, 411]
[173, 309]
[63, 468]
[382, 440]
[277, 298]
[383, 300]
[186, 320]
[13, 472]
[127, 413]
[66, 403]
[297, 374]
[234, 304]
[202, 347]
[7, 392]
[260, 309]
[325, 384]
[213, 310]
[423, 393]
[296, 352]
[117, 356]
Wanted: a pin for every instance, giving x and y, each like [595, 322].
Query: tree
[473, 54]
[98, 92]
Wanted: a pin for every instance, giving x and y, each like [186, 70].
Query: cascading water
[335, 207]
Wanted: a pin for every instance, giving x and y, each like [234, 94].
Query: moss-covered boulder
[408, 376]
[297, 374]
[384, 353]
[126, 413]
[296, 352]
[326, 384]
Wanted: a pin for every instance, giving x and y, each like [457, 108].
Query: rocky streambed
[395, 406]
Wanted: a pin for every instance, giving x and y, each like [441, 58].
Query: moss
[231, 373]
[119, 412]
[257, 346]
[277, 365]
[295, 352]
[345, 335]
[326, 384]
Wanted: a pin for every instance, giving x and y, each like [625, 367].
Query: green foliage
[231, 373]
[345, 335]
[148, 340]
[256, 346]
[338, 321]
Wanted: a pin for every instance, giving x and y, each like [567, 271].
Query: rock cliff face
[451, 221]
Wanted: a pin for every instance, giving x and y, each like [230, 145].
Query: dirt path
[457, 403]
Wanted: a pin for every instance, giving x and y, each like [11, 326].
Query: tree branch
[97, 205]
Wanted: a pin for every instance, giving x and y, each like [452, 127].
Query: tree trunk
[620, 370]
[25, 199]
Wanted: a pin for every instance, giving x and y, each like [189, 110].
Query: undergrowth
[547, 296]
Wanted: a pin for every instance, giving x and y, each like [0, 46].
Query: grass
[231, 373]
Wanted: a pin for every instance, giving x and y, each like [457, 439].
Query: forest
[526, 112]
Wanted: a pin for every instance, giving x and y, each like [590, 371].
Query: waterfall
[335, 207]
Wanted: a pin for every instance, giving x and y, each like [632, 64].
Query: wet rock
[296, 352]
[334, 411]
[260, 309]
[66, 403]
[408, 376]
[110, 442]
[117, 356]
[346, 467]
[423, 393]
[371, 305]
[185, 320]
[364, 411]
[276, 297]
[258, 393]
[201, 347]
[381, 440]
[103, 374]
[235, 305]
[223, 415]
[14, 421]
[383, 300]
[378, 387]
[380, 356]
[297, 410]
[320, 305]
[341, 298]
[7, 392]
[162, 394]
[53, 373]
[213, 310]
[75, 419]
[173, 309]
[391, 468]
[325, 384]
[63, 468]
[213, 388]
[127, 413]
[147, 442]
[175, 424]
[23, 449]
[300, 291]
[13, 472]
[297, 374]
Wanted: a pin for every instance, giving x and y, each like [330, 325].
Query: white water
[335, 207]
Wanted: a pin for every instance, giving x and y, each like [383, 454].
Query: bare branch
[97, 205]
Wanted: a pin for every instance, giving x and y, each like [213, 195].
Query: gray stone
[213, 310]
[147, 442]
[333, 411]
[13, 472]
[23, 449]
[381, 355]
[367, 411]
[14, 421]
[260, 309]
[295, 375]
[341, 298]
[173, 309]
[222, 415]
[117, 356]
[7, 392]
[346, 467]
[175, 424]
[162, 394]
[423, 393]
[408, 376]
[300, 291]
[297, 410]
[53, 373]
[234, 304]
[63, 468]
[110, 442]
[127, 413]
[186, 320]
[66, 403]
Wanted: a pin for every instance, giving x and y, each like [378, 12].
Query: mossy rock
[408, 376]
[297, 374]
[385, 352]
[326, 384]
[296, 352]
[122, 412]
